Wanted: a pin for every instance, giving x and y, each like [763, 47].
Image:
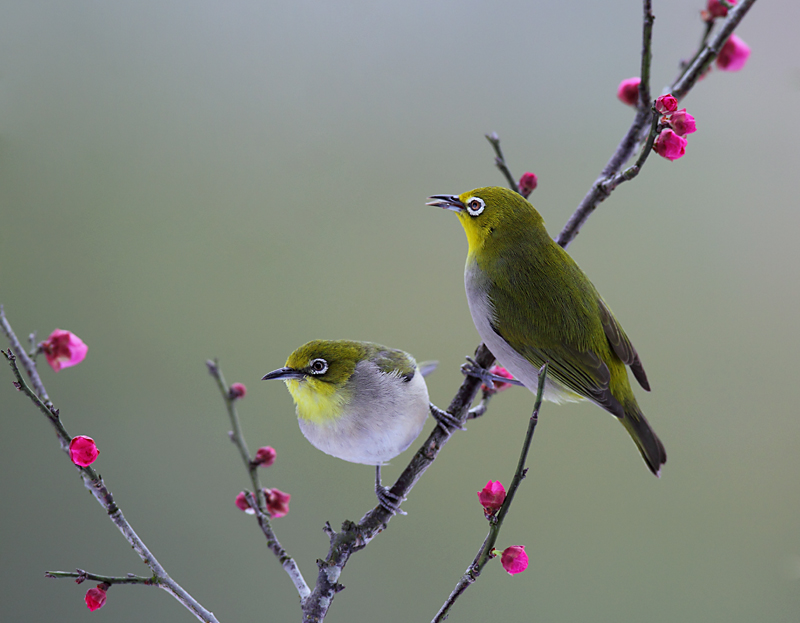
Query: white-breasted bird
[357, 401]
[531, 303]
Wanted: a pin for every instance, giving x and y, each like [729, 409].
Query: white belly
[384, 417]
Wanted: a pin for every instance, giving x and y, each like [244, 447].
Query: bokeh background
[187, 180]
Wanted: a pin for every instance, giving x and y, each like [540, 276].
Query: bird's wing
[581, 372]
[621, 344]
[395, 362]
[534, 325]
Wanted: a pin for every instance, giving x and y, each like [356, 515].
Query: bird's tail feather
[645, 438]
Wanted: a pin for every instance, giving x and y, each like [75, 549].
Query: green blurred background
[187, 180]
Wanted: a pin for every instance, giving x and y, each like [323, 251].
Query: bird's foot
[448, 422]
[386, 498]
[471, 368]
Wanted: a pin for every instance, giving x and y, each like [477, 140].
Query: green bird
[359, 401]
[531, 304]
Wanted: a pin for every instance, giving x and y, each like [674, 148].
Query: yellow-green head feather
[318, 374]
[504, 214]
[322, 396]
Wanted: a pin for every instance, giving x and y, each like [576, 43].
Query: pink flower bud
[498, 386]
[83, 451]
[733, 55]
[514, 559]
[491, 497]
[666, 104]
[237, 390]
[628, 91]
[669, 145]
[716, 9]
[63, 349]
[243, 505]
[682, 122]
[96, 597]
[527, 183]
[277, 502]
[265, 456]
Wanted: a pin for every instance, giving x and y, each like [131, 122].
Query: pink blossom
[666, 104]
[514, 559]
[716, 9]
[628, 91]
[682, 122]
[669, 145]
[96, 597]
[491, 497]
[277, 502]
[733, 55]
[265, 456]
[237, 390]
[83, 450]
[243, 505]
[527, 183]
[498, 386]
[63, 349]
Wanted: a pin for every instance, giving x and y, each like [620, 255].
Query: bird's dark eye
[475, 206]
[318, 366]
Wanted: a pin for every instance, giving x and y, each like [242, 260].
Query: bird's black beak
[448, 202]
[284, 374]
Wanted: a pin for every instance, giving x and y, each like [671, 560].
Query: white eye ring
[318, 366]
[475, 206]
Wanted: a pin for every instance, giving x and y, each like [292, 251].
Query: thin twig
[610, 177]
[486, 551]
[701, 62]
[27, 362]
[500, 161]
[236, 435]
[51, 413]
[627, 146]
[628, 174]
[647, 55]
[706, 34]
[81, 576]
[101, 493]
[256, 499]
[287, 562]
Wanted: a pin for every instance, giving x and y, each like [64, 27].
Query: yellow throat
[316, 400]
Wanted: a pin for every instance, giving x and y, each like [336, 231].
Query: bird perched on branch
[358, 401]
[531, 304]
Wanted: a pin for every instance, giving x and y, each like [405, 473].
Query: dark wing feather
[581, 372]
[621, 344]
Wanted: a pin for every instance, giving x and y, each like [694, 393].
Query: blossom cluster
[670, 143]
[676, 124]
[277, 503]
